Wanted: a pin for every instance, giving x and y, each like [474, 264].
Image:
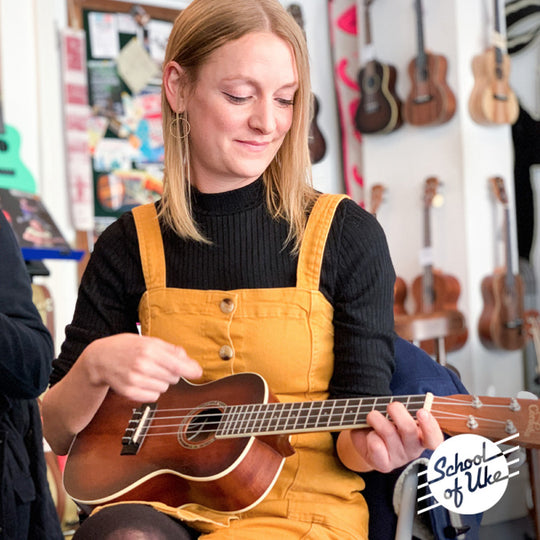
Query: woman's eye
[286, 102]
[235, 99]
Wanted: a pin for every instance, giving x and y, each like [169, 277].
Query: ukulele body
[400, 295]
[379, 108]
[317, 144]
[446, 292]
[179, 467]
[13, 172]
[430, 101]
[492, 101]
[501, 324]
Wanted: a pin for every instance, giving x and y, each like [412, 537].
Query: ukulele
[532, 327]
[379, 108]
[501, 322]
[42, 299]
[400, 288]
[492, 101]
[222, 444]
[316, 142]
[13, 172]
[434, 291]
[430, 101]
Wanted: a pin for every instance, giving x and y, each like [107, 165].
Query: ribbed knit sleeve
[362, 295]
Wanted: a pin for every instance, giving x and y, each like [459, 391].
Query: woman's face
[240, 110]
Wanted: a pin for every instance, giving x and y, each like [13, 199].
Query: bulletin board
[125, 47]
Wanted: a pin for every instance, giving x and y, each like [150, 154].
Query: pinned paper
[135, 66]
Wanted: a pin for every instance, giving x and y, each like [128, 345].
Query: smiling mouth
[255, 145]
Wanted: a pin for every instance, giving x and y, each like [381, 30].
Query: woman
[235, 278]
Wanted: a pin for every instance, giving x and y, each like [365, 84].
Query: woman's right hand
[137, 367]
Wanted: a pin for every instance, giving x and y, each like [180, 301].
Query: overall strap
[314, 241]
[150, 246]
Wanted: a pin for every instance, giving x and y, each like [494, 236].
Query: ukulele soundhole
[200, 426]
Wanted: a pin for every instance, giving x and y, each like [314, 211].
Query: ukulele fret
[259, 418]
[232, 416]
[309, 423]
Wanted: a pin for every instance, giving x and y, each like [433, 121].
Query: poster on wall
[124, 53]
[76, 115]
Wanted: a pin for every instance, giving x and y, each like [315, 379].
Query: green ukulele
[13, 172]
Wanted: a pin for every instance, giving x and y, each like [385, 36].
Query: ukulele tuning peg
[476, 403]
[438, 200]
[510, 428]
[471, 422]
[514, 405]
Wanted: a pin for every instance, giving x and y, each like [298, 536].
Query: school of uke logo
[468, 474]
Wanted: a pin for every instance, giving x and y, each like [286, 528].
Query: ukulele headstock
[296, 11]
[377, 194]
[431, 195]
[532, 322]
[491, 417]
[497, 185]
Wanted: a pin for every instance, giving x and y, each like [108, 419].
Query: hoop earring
[179, 124]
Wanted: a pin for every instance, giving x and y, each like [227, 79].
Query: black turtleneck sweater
[247, 251]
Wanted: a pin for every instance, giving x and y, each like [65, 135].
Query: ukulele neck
[421, 59]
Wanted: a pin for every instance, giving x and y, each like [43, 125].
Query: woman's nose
[263, 116]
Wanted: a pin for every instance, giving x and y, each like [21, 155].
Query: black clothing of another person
[26, 350]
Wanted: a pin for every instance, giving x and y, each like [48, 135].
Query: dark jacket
[416, 373]
[26, 351]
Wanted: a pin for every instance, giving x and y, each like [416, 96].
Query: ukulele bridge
[137, 429]
[515, 323]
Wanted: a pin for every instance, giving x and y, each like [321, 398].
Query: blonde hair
[201, 28]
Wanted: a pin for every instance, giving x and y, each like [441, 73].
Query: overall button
[226, 352]
[226, 305]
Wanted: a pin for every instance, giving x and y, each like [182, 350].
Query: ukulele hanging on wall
[379, 108]
[433, 290]
[532, 327]
[501, 324]
[430, 101]
[492, 100]
[317, 144]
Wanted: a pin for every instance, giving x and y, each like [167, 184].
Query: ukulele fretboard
[330, 415]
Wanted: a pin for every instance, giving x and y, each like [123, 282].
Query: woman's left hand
[391, 443]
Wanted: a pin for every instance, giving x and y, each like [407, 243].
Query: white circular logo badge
[467, 474]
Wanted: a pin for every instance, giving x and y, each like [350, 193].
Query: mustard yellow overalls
[286, 335]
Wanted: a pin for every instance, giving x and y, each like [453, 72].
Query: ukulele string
[334, 408]
[252, 417]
